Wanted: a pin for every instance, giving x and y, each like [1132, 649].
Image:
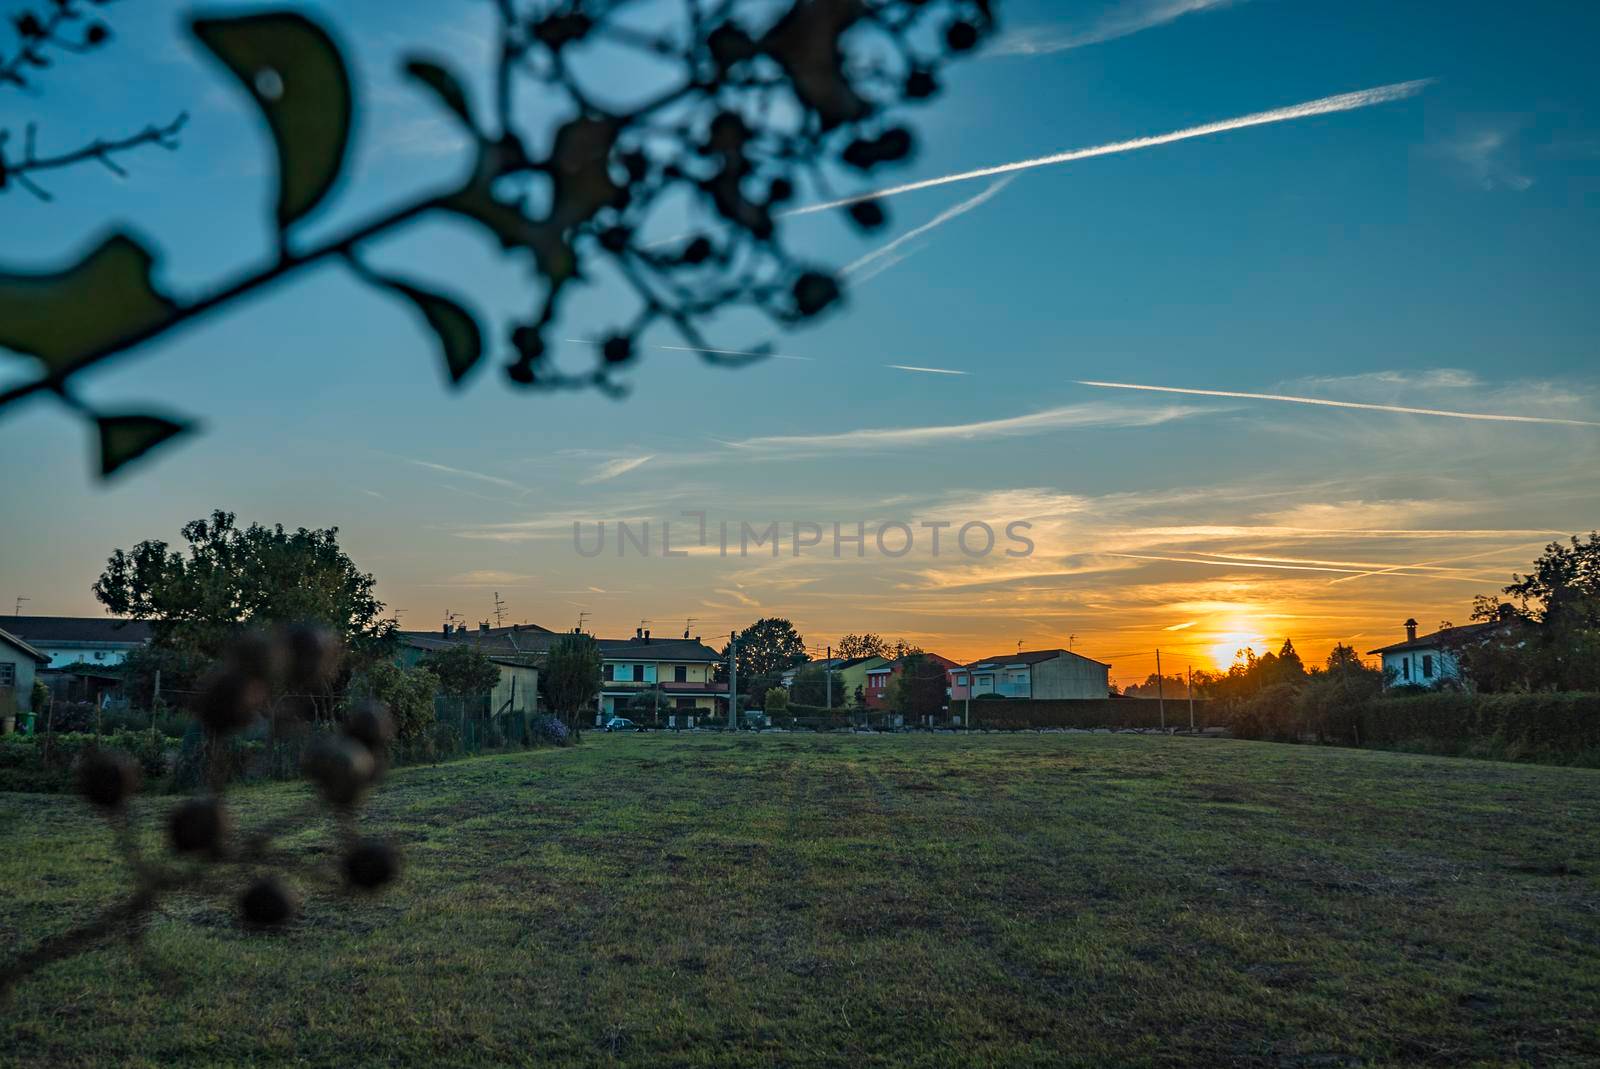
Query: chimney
[647, 634]
[638, 632]
[1411, 630]
[483, 625]
[447, 629]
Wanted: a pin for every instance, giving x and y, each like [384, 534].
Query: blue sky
[1433, 252]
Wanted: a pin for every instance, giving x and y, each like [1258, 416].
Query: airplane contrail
[937, 221]
[1363, 98]
[1493, 417]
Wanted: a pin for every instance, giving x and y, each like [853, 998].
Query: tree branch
[100, 150]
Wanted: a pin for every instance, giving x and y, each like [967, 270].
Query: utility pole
[1191, 698]
[827, 674]
[733, 681]
[1161, 697]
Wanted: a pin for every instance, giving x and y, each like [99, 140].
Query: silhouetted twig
[99, 150]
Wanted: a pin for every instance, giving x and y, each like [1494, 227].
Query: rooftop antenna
[688, 626]
[18, 610]
[499, 610]
[1019, 645]
[450, 617]
[582, 616]
[1070, 640]
[396, 616]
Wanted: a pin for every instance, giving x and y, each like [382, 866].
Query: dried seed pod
[257, 655]
[370, 864]
[198, 825]
[313, 656]
[370, 724]
[342, 769]
[106, 779]
[267, 903]
[230, 700]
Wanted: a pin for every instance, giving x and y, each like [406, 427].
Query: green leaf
[459, 338]
[444, 86]
[293, 70]
[84, 311]
[125, 438]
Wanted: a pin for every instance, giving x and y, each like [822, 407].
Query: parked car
[621, 723]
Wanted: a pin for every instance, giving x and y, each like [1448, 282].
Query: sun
[1235, 636]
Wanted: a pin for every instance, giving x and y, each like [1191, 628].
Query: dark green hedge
[1026, 714]
[1530, 726]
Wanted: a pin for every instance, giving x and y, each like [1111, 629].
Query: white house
[1034, 674]
[18, 663]
[1427, 660]
[99, 641]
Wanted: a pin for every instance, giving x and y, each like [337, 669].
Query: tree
[810, 687]
[1548, 636]
[766, 649]
[1344, 660]
[738, 104]
[868, 644]
[776, 702]
[570, 678]
[464, 671]
[648, 704]
[919, 689]
[408, 692]
[233, 580]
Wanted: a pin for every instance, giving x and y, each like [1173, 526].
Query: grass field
[864, 901]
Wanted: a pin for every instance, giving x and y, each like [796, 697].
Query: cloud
[1493, 417]
[1483, 156]
[1128, 18]
[484, 577]
[954, 212]
[1363, 98]
[1051, 419]
[620, 466]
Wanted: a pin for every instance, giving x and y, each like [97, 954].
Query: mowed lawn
[857, 901]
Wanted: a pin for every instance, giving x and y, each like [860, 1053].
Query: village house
[93, 641]
[1033, 674]
[880, 677]
[1430, 660]
[19, 661]
[680, 670]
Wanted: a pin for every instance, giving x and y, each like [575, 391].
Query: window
[961, 680]
[685, 704]
[8, 673]
[1427, 666]
[1405, 667]
[680, 673]
[608, 672]
[99, 655]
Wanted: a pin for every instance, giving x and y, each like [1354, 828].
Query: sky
[1420, 249]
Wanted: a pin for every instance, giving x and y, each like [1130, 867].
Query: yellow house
[681, 670]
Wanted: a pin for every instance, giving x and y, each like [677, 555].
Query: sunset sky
[1428, 247]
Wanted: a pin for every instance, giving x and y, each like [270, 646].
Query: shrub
[548, 731]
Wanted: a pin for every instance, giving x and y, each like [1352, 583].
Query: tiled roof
[1029, 657]
[1448, 636]
[89, 630]
[12, 640]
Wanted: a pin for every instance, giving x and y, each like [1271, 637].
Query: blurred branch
[100, 150]
[36, 35]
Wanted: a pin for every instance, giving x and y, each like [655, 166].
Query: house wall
[518, 686]
[846, 680]
[1406, 666]
[21, 673]
[99, 655]
[1071, 677]
[1013, 682]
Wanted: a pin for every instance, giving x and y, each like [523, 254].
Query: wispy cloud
[1181, 627]
[1363, 98]
[1485, 156]
[1133, 16]
[1051, 419]
[620, 466]
[1493, 417]
[953, 212]
[484, 577]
